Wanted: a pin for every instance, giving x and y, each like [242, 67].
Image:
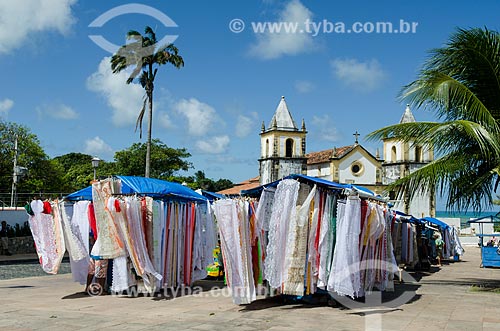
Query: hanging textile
[285, 200]
[48, 236]
[297, 246]
[235, 248]
[72, 236]
[80, 226]
[345, 278]
[108, 244]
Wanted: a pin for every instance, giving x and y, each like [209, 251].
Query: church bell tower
[402, 159]
[282, 146]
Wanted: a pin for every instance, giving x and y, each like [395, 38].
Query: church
[283, 152]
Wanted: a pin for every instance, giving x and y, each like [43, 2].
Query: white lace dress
[344, 278]
[285, 200]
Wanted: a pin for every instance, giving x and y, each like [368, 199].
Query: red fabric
[92, 222]
[117, 206]
[47, 209]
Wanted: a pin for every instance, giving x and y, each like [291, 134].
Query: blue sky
[57, 81]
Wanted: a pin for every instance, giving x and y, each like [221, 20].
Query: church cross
[356, 135]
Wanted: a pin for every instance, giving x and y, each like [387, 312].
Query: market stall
[162, 232]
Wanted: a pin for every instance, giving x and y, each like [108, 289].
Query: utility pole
[13, 194]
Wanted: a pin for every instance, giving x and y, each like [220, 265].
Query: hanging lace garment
[48, 237]
[235, 255]
[147, 220]
[144, 267]
[122, 275]
[248, 292]
[458, 249]
[158, 220]
[72, 236]
[205, 240]
[80, 226]
[345, 267]
[265, 208]
[285, 200]
[326, 240]
[297, 245]
[108, 244]
[313, 244]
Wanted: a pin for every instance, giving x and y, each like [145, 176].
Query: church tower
[401, 159]
[282, 146]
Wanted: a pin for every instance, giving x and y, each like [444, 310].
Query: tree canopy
[460, 83]
[145, 55]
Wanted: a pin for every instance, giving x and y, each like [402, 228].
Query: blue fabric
[436, 222]
[319, 181]
[83, 194]
[410, 218]
[151, 187]
[211, 196]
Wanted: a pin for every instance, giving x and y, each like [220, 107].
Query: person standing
[4, 240]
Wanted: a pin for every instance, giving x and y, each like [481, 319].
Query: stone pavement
[441, 299]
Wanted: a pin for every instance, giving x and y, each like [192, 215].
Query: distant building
[402, 159]
[283, 152]
[282, 146]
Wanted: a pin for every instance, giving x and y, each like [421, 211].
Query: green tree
[165, 161]
[144, 54]
[461, 84]
[43, 174]
[78, 171]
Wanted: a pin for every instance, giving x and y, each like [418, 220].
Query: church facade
[283, 152]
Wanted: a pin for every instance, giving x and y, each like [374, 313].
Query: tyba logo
[132, 8]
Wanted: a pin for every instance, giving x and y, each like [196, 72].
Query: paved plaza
[456, 296]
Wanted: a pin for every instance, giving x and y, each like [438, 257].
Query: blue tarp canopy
[151, 187]
[436, 222]
[211, 196]
[410, 218]
[83, 194]
[486, 219]
[322, 182]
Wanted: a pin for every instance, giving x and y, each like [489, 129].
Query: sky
[57, 80]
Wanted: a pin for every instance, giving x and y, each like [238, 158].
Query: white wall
[320, 170]
[369, 175]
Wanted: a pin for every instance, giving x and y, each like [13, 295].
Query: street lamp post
[95, 164]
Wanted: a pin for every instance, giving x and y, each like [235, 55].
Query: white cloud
[365, 76]
[164, 120]
[126, 100]
[274, 45]
[214, 145]
[200, 116]
[96, 146]
[59, 111]
[21, 20]
[304, 86]
[324, 128]
[245, 125]
[5, 105]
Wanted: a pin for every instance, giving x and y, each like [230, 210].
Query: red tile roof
[244, 185]
[326, 155]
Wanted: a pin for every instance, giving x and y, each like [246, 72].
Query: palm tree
[461, 84]
[145, 56]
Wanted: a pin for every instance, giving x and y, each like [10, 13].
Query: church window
[268, 152]
[357, 168]
[418, 154]
[289, 147]
[393, 154]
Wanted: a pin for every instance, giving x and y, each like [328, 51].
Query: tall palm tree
[460, 83]
[145, 56]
